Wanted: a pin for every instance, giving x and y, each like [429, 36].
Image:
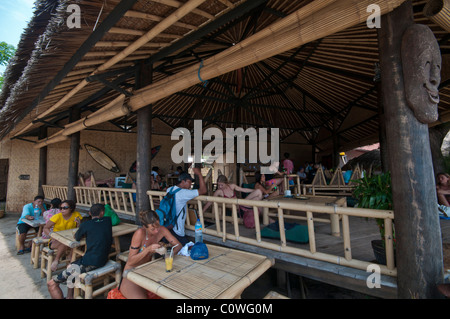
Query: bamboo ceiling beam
[313, 21]
[152, 17]
[95, 36]
[155, 31]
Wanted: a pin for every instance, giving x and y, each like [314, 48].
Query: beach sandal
[27, 250]
[20, 252]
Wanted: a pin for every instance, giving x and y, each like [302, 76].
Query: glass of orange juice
[169, 261]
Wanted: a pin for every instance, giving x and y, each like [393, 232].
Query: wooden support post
[144, 146]
[417, 228]
[74, 156]
[42, 161]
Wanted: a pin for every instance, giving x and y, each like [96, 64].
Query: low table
[225, 274]
[66, 237]
[35, 223]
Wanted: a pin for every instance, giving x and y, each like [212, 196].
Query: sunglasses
[65, 207]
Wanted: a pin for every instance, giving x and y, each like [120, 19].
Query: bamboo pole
[303, 26]
[235, 221]
[281, 225]
[161, 26]
[438, 11]
[346, 234]
[216, 216]
[316, 20]
[389, 243]
[257, 226]
[55, 138]
[311, 234]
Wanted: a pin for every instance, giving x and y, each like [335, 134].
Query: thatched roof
[305, 91]
[365, 161]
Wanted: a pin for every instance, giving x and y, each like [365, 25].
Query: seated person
[267, 188]
[67, 219]
[22, 227]
[154, 185]
[98, 233]
[144, 244]
[301, 173]
[54, 209]
[178, 171]
[443, 189]
[227, 190]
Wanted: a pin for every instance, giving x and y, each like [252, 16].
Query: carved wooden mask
[421, 61]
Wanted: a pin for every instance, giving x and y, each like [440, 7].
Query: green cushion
[294, 232]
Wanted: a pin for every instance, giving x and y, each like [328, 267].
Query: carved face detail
[421, 61]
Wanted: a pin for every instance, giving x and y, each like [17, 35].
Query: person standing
[182, 197]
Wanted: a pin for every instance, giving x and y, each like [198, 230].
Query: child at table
[144, 244]
[98, 233]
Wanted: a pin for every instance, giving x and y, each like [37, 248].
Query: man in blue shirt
[28, 213]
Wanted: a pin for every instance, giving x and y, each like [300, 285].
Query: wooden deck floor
[363, 231]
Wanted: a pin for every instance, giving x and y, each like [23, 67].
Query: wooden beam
[417, 228]
[167, 22]
[97, 35]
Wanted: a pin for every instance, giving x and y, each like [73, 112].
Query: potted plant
[375, 193]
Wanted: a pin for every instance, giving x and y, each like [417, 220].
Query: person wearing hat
[184, 182]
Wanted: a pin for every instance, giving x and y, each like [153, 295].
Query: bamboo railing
[121, 200]
[51, 192]
[286, 211]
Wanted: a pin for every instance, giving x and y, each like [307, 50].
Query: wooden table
[35, 223]
[313, 200]
[66, 237]
[225, 274]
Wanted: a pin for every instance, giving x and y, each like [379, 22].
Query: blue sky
[14, 18]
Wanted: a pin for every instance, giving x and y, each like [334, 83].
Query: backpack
[109, 212]
[167, 209]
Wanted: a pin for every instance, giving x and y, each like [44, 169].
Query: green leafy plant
[375, 192]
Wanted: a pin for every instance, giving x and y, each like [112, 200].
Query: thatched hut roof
[307, 91]
[365, 161]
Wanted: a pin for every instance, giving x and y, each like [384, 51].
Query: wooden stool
[30, 235]
[47, 258]
[100, 278]
[36, 247]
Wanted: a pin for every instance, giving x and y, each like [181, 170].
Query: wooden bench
[99, 278]
[47, 258]
[29, 237]
[36, 248]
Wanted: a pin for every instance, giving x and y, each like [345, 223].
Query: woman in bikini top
[144, 244]
[228, 190]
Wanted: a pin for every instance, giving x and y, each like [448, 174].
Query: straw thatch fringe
[43, 47]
